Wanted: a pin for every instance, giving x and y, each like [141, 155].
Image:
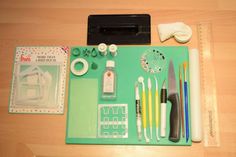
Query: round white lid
[113, 48]
[102, 47]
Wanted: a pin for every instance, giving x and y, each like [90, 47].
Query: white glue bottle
[109, 81]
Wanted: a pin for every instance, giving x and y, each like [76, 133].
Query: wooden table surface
[64, 22]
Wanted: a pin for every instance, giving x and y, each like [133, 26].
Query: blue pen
[186, 102]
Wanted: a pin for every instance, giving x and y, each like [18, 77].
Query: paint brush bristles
[185, 71]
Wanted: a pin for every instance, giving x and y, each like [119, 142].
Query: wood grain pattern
[60, 22]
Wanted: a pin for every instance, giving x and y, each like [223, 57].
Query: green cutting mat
[85, 93]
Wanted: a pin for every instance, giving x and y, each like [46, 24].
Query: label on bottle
[108, 82]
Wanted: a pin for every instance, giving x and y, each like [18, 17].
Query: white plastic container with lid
[102, 48]
[113, 50]
[109, 81]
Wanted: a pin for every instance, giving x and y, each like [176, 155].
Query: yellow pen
[157, 109]
[144, 112]
[150, 105]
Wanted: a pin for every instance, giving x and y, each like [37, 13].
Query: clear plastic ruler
[208, 96]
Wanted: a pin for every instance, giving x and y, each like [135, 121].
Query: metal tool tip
[164, 84]
[140, 136]
[155, 78]
[157, 135]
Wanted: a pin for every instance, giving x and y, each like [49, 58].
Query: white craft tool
[144, 109]
[163, 109]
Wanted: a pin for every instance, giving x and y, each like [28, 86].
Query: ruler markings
[209, 99]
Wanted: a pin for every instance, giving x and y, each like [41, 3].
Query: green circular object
[94, 66]
[153, 61]
[76, 51]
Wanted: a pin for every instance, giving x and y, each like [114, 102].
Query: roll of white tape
[83, 70]
[196, 120]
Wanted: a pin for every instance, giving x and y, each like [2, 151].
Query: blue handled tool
[186, 102]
